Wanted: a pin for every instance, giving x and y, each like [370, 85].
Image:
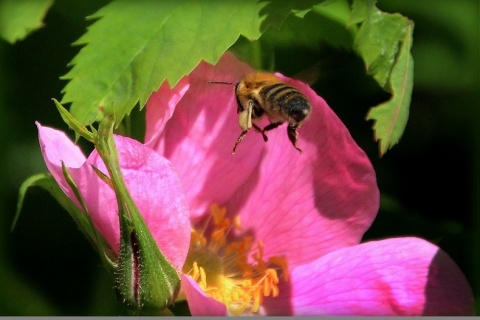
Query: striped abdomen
[282, 102]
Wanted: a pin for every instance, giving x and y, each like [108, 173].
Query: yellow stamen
[233, 272]
[237, 224]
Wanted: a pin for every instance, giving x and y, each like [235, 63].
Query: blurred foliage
[429, 181]
[19, 18]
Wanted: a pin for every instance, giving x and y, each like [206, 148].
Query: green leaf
[314, 29]
[18, 18]
[336, 10]
[378, 41]
[391, 117]
[276, 11]
[358, 13]
[384, 42]
[136, 45]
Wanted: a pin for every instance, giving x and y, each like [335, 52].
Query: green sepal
[146, 282]
[106, 253]
[74, 124]
[43, 180]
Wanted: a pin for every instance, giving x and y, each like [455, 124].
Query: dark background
[429, 181]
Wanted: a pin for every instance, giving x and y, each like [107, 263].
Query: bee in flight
[262, 93]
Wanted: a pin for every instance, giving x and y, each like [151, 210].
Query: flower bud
[146, 282]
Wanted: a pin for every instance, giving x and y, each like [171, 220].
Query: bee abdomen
[298, 107]
[275, 93]
[284, 99]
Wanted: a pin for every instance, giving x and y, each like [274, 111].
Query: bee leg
[271, 126]
[257, 128]
[240, 138]
[293, 135]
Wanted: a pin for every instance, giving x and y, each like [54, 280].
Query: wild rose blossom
[284, 237]
[310, 208]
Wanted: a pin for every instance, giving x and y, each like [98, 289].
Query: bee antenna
[222, 82]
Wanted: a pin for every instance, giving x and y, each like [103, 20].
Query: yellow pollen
[231, 269]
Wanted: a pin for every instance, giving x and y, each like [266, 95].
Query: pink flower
[310, 209]
[150, 179]
[286, 237]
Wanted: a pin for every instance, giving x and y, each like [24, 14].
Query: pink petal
[152, 182]
[57, 147]
[168, 99]
[198, 302]
[326, 197]
[401, 276]
[199, 137]
[306, 205]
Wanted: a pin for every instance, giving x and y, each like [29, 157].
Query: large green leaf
[18, 18]
[136, 45]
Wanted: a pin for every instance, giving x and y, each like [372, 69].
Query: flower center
[232, 271]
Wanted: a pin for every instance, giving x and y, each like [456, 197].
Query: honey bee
[262, 93]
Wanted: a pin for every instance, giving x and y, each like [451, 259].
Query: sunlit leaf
[136, 45]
